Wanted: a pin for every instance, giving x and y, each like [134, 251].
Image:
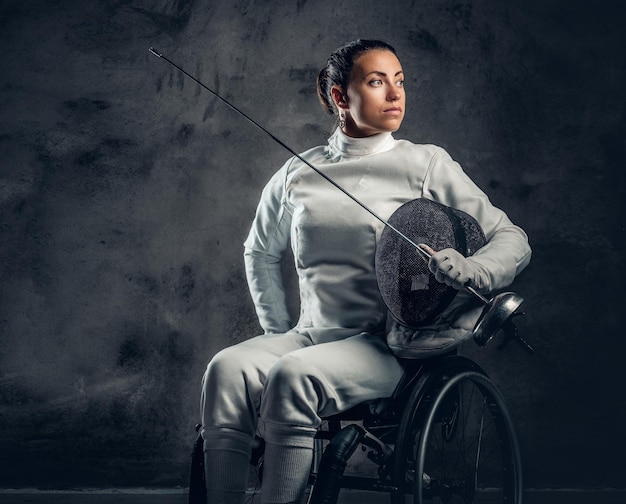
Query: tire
[456, 442]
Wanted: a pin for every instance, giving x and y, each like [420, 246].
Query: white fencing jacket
[334, 239]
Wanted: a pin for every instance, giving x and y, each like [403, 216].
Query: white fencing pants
[280, 385]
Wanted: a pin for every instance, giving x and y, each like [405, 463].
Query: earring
[342, 120]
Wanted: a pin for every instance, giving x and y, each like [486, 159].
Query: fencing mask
[408, 288]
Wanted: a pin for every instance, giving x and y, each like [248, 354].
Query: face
[374, 101]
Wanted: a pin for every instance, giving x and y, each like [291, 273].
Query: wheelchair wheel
[456, 442]
[197, 487]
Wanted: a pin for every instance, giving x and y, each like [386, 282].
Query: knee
[288, 371]
[224, 364]
[293, 393]
[231, 391]
[230, 369]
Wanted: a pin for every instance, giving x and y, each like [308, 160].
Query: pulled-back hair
[338, 68]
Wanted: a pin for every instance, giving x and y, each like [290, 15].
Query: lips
[393, 110]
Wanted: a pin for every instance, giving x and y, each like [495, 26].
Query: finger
[460, 281]
[443, 278]
[430, 251]
[437, 265]
[439, 258]
[444, 265]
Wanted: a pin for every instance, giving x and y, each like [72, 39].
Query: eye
[376, 82]
[400, 83]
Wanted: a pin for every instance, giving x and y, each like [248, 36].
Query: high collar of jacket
[342, 144]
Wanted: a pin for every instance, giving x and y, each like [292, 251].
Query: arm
[264, 247]
[507, 251]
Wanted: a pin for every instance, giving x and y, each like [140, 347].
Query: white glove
[452, 268]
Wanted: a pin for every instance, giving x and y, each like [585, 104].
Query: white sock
[285, 473]
[226, 474]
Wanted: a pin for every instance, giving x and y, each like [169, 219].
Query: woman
[279, 384]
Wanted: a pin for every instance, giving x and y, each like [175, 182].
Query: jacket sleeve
[507, 251]
[263, 252]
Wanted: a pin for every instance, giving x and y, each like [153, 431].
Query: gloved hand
[452, 268]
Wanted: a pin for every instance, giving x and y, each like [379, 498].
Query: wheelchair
[444, 436]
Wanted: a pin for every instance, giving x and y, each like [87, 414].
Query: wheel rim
[463, 446]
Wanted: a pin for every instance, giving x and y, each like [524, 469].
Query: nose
[394, 94]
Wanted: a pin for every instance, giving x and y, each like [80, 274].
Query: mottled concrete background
[127, 192]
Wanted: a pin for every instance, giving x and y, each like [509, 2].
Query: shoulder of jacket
[427, 154]
[315, 156]
[424, 148]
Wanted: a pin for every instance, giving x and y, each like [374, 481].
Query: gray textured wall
[126, 193]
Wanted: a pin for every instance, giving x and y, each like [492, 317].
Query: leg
[308, 384]
[231, 395]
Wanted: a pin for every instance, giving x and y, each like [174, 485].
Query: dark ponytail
[338, 68]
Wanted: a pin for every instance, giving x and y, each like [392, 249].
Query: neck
[347, 145]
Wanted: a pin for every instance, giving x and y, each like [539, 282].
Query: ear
[339, 97]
